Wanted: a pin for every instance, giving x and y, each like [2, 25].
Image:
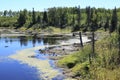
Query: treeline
[87, 19]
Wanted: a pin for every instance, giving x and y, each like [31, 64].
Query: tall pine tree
[106, 26]
[114, 21]
[22, 19]
[88, 13]
[79, 16]
[33, 17]
[45, 19]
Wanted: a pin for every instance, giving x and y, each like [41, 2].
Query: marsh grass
[105, 66]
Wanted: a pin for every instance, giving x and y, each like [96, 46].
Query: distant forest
[76, 18]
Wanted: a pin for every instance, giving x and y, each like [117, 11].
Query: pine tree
[79, 16]
[62, 20]
[22, 19]
[52, 14]
[93, 20]
[10, 13]
[33, 17]
[38, 19]
[73, 21]
[5, 13]
[45, 18]
[88, 13]
[106, 24]
[114, 21]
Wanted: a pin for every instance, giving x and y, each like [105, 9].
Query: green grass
[105, 74]
[58, 30]
[78, 57]
[105, 66]
[48, 30]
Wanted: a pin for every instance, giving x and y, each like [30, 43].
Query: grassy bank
[104, 66]
[50, 29]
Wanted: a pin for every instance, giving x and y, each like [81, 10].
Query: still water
[12, 69]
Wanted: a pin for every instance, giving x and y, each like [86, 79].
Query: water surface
[12, 69]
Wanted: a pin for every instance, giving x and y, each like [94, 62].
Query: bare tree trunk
[81, 43]
[92, 55]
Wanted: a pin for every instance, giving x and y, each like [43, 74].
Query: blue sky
[40, 5]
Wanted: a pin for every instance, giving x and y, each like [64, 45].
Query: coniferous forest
[75, 18]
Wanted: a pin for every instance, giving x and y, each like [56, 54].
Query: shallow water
[14, 70]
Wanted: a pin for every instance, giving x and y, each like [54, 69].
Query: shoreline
[42, 66]
[45, 70]
[27, 56]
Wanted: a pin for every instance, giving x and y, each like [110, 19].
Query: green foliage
[22, 18]
[63, 20]
[78, 16]
[105, 74]
[106, 24]
[88, 13]
[113, 21]
[75, 58]
[81, 69]
[5, 13]
[33, 17]
[88, 19]
[45, 18]
[68, 60]
[75, 28]
[105, 66]
[108, 51]
[7, 21]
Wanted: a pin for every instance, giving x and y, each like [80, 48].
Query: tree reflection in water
[24, 40]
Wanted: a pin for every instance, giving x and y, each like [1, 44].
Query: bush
[67, 61]
[76, 28]
[81, 69]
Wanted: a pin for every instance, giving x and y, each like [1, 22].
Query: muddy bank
[64, 47]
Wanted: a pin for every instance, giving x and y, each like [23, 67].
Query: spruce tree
[22, 19]
[5, 13]
[38, 19]
[45, 18]
[33, 17]
[114, 21]
[88, 14]
[106, 24]
[79, 16]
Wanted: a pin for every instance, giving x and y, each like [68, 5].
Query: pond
[13, 70]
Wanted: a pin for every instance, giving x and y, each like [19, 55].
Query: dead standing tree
[81, 42]
[93, 27]
[93, 44]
